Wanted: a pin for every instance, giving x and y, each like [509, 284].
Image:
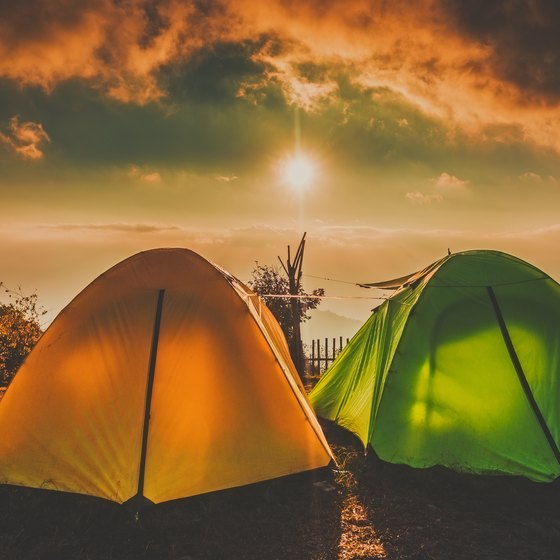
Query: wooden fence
[323, 352]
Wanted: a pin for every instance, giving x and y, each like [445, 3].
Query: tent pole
[521, 374]
[149, 390]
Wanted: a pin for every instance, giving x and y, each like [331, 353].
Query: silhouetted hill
[326, 324]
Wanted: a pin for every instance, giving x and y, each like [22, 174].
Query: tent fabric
[435, 377]
[225, 402]
[402, 281]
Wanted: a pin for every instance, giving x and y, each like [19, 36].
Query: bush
[19, 331]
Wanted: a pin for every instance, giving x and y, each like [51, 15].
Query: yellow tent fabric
[165, 378]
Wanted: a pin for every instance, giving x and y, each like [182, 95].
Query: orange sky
[135, 124]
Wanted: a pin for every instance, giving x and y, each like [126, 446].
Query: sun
[298, 171]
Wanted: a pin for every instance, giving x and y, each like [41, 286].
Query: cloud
[446, 185]
[154, 177]
[112, 227]
[471, 64]
[117, 46]
[134, 171]
[290, 70]
[521, 37]
[420, 50]
[423, 199]
[529, 176]
[332, 251]
[536, 179]
[451, 184]
[148, 177]
[390, 246]
[25, 138]
[227, 178]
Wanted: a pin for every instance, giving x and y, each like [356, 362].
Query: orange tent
[165, 378]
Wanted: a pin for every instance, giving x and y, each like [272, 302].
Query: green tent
[460, 367]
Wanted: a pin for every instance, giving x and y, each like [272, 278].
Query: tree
[269, 280]
[19, 331]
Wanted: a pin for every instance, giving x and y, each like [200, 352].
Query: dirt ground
[362, 510]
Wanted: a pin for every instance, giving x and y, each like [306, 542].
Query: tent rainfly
[165, 378]
[460, 367]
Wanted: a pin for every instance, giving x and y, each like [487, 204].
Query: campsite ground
[363, 510]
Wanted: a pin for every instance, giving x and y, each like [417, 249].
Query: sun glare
[298, 171]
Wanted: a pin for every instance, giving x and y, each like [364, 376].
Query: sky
[132, 124]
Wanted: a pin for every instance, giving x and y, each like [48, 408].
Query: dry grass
[363, 510]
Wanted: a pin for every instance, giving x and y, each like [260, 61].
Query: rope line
[289, 296]
[434, 285]
[331, 279]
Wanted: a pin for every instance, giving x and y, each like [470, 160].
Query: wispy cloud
[450, 185]
[423, 199]
[227, 178]
[445, 186]
[321, 236]
[284, 69]
[534, 178]
[25, 138]
[112, 227]
[333, 251]
[146, 176]
[153, 177]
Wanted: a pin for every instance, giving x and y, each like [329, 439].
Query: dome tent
[165, 378]
[460, 367]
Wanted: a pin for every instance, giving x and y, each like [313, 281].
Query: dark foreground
[367, 509]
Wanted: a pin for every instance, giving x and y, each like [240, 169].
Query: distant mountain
[326, 324]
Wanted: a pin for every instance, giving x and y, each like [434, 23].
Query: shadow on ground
[362, 510]
[294, 517]
[437, 514]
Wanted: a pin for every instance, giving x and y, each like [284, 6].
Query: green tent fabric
[460, 367]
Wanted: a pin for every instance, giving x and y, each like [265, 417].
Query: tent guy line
[290, 296]
[331, 279]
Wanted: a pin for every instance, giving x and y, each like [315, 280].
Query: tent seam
[521, 375]
[307, 410]
[149, 393]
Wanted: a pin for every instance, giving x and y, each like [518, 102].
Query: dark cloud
[39, 20]
[524, 38]
[224, 134]
[117, 46]
[196, 132]
[219, 76]
[214, 75]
